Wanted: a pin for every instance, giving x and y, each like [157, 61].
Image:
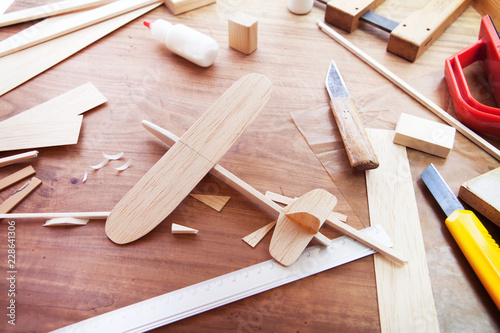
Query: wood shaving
[113, 157]
[65, 221]
[125, 166]
[85, 177]
[100, 165]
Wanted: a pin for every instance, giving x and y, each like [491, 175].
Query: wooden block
[424, 135]
[53, 123]
[419, 30]
[216, 202]
[19, 158]
[19, 195]
[345, 14]
[17, 176]
[291, 236]
[242, 31]
[483, 194]
[180, 229]
[51, 9]
[406, 302]
[181, 6]
[173, 177]
[255, 237]
[489, 7]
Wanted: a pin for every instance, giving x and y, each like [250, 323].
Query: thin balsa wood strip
[16, 176]
[19, 195]
[173, 177]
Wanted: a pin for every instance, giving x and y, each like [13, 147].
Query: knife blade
[358, 147]
[477, 245]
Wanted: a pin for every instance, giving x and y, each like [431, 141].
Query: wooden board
[171, 179]
[406, 302]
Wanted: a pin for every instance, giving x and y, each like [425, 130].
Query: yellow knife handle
[480, 249]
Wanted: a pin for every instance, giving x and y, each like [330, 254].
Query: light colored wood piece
[19, 195]
[48, 216]
[31, 37]
[65, 221]
[238, 184]
[18, 158]
[51, 9]
[216, 202]
[345, 14]
[483, 194]
[255, 237]
[489, 7]
[181, 6]
[422, 27]
[16, 176]
[23, 65]
[4, 4]
[171, 179]
[406, 302]
[243, 32]
[424, 135]
[180, 229]
[445, 116]
[53, 123]
[298, 223]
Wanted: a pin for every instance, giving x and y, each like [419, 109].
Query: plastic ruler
[209, 294]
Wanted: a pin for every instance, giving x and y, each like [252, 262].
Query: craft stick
[19, 158]
[216, 202]
[434, 108]
[19, 195]
[49, 216]
[51, 9]
[255, 237]
[238, 184]
[31, 37]
[17, 176]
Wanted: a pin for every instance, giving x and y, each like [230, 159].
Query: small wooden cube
[424, 135]
[242, 31]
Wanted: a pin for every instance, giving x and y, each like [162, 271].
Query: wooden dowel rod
[434, 108]
[18, 158]
[48, 216]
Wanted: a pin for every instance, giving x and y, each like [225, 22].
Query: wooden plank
[23, 65]
[425, 135]
[53, 123]
[16, 176]
[406, 302]
[31, 37]
[345, 14]
[483, 194]
[21, 193]
[216, 202]
[171, 179]
[431, 106]
[421, 28]
[51, 9]
[18, 158]
[181, 6]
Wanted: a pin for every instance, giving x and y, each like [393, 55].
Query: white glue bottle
[185, 42]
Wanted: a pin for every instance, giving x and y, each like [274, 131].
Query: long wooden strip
[406, 303]
[53, 123]
[434, 108]
[173, 177]
[19, 195]
[49, 216]
[51, 9]
[238, 184]
[23, 65]
[16, 176]
[31, 37]
[18, 158]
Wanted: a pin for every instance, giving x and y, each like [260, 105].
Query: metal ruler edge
[197, 298]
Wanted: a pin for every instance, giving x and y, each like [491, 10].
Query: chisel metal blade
[440, 190]
[335, 83]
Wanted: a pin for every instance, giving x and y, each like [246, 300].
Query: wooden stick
[17, 176]
[49, 216]
[31, 37]
[238, 184]
[19, 195]
[406, 303]
[434, 108]
[43, 11]
[19, 158]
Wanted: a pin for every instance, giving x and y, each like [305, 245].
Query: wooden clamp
[410, 38]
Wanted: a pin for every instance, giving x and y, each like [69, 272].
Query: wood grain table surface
[69, 274]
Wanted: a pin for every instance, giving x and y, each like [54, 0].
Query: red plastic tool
[477, 116]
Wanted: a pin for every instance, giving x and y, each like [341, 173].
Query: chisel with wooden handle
[357, 145]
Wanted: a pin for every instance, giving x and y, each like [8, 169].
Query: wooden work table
[70, 274]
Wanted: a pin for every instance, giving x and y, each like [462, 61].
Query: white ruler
[207, 295]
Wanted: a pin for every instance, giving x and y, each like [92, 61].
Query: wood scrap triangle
[173, 177]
